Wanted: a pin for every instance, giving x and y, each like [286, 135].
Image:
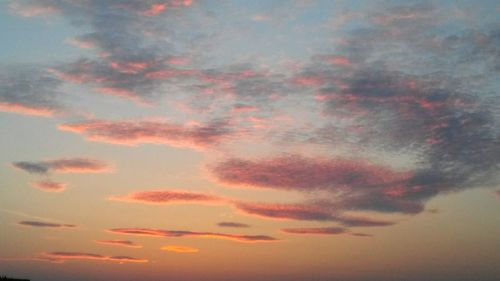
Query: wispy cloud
[168, 197]
[180, 249]
[286, 211]
[64, 165]
[232, 224]
[318, 230]
[44, 224]
[323, 231]
[156, 132]
[121, 243]
[49, 186]
[185, 233]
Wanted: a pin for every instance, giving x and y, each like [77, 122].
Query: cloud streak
[155, 132]
[322, 231]
[64, 165]
[183, 233]
[121, 243]
[49, 186]
[232, 224]
[168, 197]
[179, 249]
[43, 224]
[60, 257]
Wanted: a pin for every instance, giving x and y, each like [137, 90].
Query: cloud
[311, 211]
[362, 221]
[122, 243]
[232, 224]
[182, 233]
[318, 230]
[285, 211]
[295, 172]
[43, 224]
[136, 132]
[29, 90]
[49, 186]
[129, 38]
[168, 197]
[30, 9]
[308, 211]
[352, 184]
[180, 249]
[323, 231]
[64, 165]
[64, 256]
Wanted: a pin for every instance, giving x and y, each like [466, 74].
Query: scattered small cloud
[44, 224]
[232, 224]
[49, 186]
[121, 243]
[64, 165]
[180, 249]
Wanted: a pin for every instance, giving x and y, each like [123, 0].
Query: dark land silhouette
[4, 278]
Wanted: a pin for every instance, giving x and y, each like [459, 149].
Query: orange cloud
[179, 249]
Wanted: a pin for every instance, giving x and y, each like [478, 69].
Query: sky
[250, 140]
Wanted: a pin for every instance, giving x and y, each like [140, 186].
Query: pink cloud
[135, 132]
[183, 233]
[337, 60]
[295, 172]
[26, 110]
[177, 60]
[121, 243]
[285, 211]
[49, 186]
[168, 197]
[155, 9]
[309, 80]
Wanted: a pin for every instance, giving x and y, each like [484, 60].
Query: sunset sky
[250, 140]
